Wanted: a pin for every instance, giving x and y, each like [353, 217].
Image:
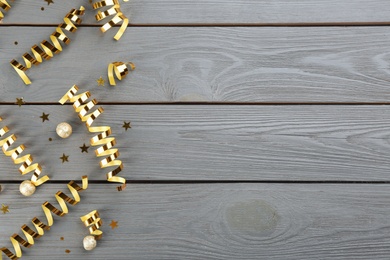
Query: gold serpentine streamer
[93, 221]
[5, 6]
[26, 160]
[115, 9]
[49, 49]
[40, 226]
[102, 139]
[120, 69]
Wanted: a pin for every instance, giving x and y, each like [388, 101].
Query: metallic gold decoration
[113, 224]
[93, 222]
[5, 6]
[48, 49]
[120, 69]
[40, 227]
[26, 160]
[83, 108]
[4, 208]
[114, 10]
[100, 81]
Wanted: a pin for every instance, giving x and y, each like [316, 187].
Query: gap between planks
[192, 182]
[222, 103]
[325, 24]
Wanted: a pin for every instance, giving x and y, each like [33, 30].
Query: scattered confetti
[84, 148]
[126, 125]
[49, 2]
[100, 81]
[4, 208]
[44, 117]
[62, 238]
[42, 8]
[20, 101]
[114, 224]
[50, 139]
[16, 43]
[64, 158]
[67, 251]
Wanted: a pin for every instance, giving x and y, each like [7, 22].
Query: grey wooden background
[260, 129]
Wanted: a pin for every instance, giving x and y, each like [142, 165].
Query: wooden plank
[213, 11]
[231, 221]
[330, 64]
[186, 142]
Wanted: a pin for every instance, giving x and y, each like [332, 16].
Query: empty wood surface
[326, 64]
[304, 87]
[218, 221]
[231, 12]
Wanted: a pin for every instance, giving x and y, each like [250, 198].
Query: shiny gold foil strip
[120, 69]
[93, 222]
[26, 161]
[84, 108]
[39, 226]
[5, 6]
[115, 12]
[48, 49]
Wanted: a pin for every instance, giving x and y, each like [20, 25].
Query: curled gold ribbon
[40, 226]
[83, 108]
[26, 160]
[114, 10]
[93, 221]
[120, 69]
[5, 6]
[48, 49]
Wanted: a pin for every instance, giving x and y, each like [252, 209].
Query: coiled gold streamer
[48, 49]
[5, 6]
[26, 160]
[102, 139]
[113, 10]
[120, 69]
[93, 221]
[40, 226]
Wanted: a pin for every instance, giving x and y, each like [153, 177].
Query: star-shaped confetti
[100, 81]
[126, 125]
[20, 101]
[64, 158]
[44, 117]
[84, 148]
[114, 224]
[49, 2]
[4, 208]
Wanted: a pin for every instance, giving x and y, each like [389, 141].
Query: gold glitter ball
[89, 243]
[64, 130]
[27, 188]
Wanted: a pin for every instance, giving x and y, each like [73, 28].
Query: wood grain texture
[183, 142]
[214, 11]
[330, 64]
[228, 221]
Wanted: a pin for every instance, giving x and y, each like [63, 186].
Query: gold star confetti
[114, 224]
[64, 158]
[100, 81]
[84, 148]
[126, 125]
[44, 117]
[49, 2]
[67, 251]
[4, 208]
[20, 101]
